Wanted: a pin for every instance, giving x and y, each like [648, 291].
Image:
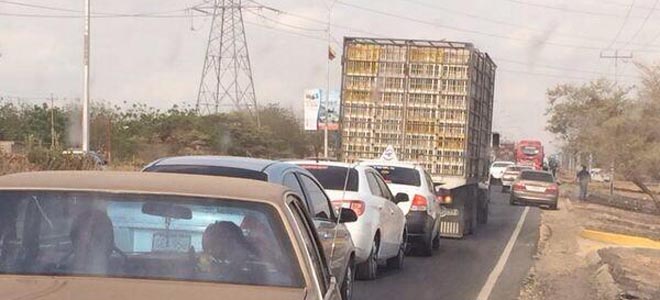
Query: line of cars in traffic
[526, 185]
[304, 229]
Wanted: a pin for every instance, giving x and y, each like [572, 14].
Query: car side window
[373, 185]
[387, 194]
[289, 180]
[318, 201]
[429, 181]
[312, 243]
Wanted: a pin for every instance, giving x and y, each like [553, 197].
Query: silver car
[535, 187]
[335, 237]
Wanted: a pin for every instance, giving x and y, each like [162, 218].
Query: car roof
[323, 163]
[503, 162]
[248, 163]
[145, 182]
[401, 164]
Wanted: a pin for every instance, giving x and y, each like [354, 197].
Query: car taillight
[419, 203]
[551, 189]
[519, 186]
[356, 205]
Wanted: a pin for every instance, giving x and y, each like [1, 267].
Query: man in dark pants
[583, 177]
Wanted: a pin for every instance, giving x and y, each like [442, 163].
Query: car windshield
[144, 236]
[516, 168]
[399, 175]
[334, 177]
[536, 176]
[210, 170]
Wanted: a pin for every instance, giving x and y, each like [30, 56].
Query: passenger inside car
[93, 242]
[225, 253]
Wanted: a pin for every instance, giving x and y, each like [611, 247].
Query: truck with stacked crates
[433, 102]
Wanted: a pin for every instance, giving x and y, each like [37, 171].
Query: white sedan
[379, 234]
[423, 213]
[497, 170]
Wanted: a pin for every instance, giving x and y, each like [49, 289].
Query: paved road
[460, 268]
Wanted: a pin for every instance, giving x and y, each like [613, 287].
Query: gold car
[535, 187]
[111, 235]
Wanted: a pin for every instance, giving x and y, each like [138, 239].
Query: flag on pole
[331, 53]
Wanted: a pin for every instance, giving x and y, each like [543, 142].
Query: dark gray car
[334, 236]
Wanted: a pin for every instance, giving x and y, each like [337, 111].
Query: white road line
[499, 267]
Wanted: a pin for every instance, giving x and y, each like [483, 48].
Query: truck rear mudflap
[452, 224]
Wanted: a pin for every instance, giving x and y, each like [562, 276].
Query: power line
[641, 27]
[499, 22]
[564, 9]
[458, 29]
[96, 15]
[623, 25]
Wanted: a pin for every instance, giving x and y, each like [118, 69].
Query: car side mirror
[401, 197]
[347, 215]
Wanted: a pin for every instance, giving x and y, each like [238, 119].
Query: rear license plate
[451, 212]
[171, 241]
[538, 189]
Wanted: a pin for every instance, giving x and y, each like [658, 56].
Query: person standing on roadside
[583, 177]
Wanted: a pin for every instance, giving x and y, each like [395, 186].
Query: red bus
[530, 153]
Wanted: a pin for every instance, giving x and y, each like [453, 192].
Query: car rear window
[399, 175]
[164, 237]
[537, 176]
[334, 177]
[517, 168]
[500, 165]
[210, 170]
[530, 150]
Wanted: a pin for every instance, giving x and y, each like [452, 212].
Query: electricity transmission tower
[226, 81]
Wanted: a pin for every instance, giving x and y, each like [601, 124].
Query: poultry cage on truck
[433, 102]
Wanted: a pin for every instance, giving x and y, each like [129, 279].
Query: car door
[335, 237]
[397, 216]
[387, 223]
[324, 283]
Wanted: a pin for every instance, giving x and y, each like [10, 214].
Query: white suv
[379, 234]
[423, 213]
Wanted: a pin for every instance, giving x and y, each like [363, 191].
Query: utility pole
[85, 108]
[52, 122]
[227, 74]
[616, 58]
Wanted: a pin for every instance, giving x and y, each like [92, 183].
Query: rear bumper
[534, 198]
[419, 224]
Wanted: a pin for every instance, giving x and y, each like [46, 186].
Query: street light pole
[85, 106]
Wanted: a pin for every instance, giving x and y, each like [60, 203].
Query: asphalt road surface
[460, 268]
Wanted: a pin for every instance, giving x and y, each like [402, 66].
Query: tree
[602, 119]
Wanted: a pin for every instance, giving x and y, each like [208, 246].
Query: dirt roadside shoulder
[569, 266]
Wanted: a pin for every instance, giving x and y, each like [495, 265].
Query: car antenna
[343, 194]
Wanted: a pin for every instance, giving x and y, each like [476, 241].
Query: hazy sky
[535, 43]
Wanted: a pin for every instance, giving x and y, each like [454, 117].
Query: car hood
[74, 288]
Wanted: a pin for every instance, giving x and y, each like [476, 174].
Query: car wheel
[396, 263]
[511, 201]
[553, 206]
[347, 285]
[369, 269]
[436, 242]
[426, 247]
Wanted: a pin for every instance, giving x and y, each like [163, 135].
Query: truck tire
[482, 218]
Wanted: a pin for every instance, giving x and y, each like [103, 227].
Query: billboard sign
[315, 112]
[311, 106]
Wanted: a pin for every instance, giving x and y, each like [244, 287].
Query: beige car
[112, 235]
[535, 187]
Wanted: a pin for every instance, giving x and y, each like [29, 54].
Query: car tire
[396, 263]
[426, 247]
[347, 284]
[553, 206]
[436, 242]
[368, 270]
[512, 201]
